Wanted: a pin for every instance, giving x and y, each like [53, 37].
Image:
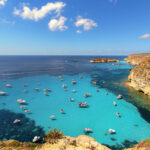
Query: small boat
[36, 139]
[81, 77]
[83, 105]
[93, 82]
[61, 79]
[119, 96]
[21, 101]
[115, 104]
[64, 86]
[73, 91]
[106, 93]
[52, 117]
[16, 121]
[45, 93]
[87, 95]
[62, 111]
[2, 93]
[87, 130]
[26, 110]
[47, 90]
[97, 90]
[37, 89]
[74, 82]
[118, 114]
[8, 85]
[112, 131]
[71, 99]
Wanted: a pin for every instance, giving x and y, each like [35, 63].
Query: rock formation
[103, 60]
[139, 77]
[81, 142]
[144, 145]
[135, 59]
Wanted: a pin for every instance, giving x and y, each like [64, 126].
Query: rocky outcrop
[144, 145]
[81, 142]
[103, 60]
[135, 59]
[139, 77]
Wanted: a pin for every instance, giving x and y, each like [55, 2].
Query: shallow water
[99, 116]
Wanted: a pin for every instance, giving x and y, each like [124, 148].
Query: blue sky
[74, 27]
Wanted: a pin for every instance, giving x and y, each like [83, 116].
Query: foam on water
[100, 116]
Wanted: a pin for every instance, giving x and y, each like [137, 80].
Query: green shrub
[53, 136]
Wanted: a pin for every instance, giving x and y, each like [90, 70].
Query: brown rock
[103, 60]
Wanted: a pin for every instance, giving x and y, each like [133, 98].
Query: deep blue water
[99, 116]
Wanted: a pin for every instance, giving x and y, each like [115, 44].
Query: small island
[102, 60]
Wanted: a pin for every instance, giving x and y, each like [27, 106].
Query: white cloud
[59, 24]
[86, 23]
[36, 14]
[2, 2]
[79, 31]
[145, 36]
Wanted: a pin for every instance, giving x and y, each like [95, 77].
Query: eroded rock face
[144, 145]
[103, 60]
[81, 142]
[135, 59]
[139, 77]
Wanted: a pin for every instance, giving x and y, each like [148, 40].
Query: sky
[74, 27]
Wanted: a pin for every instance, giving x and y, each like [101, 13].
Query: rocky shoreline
[139, 77]
[81, 142]
[102, 60]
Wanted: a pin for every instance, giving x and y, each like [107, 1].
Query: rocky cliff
[135, 59]
[103, 60]
[139, 77]
[81, 142]
[144, 145]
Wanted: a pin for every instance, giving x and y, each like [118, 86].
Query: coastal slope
[81, 142]
[139, 77]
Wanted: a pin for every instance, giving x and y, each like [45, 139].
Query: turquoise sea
[42, 72]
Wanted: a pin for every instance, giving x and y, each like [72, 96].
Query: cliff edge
[139, 77]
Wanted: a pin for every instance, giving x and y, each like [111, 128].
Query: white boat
[88, 130]
[115, 104]
[73, 91]
[8, 85]
[119, 96]
[64, 86]
[2, 93]
[73, 82]
[16, 121]
[83, 105]
[87, 95]
[26, 110]
[71, 99]
[21, 101]
[111, 131]
[36, 139]
[52, 117]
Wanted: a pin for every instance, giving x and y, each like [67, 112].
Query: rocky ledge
[135, 59]
[103, 60]
[81, 142]
[144, 145]
[139, 77]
